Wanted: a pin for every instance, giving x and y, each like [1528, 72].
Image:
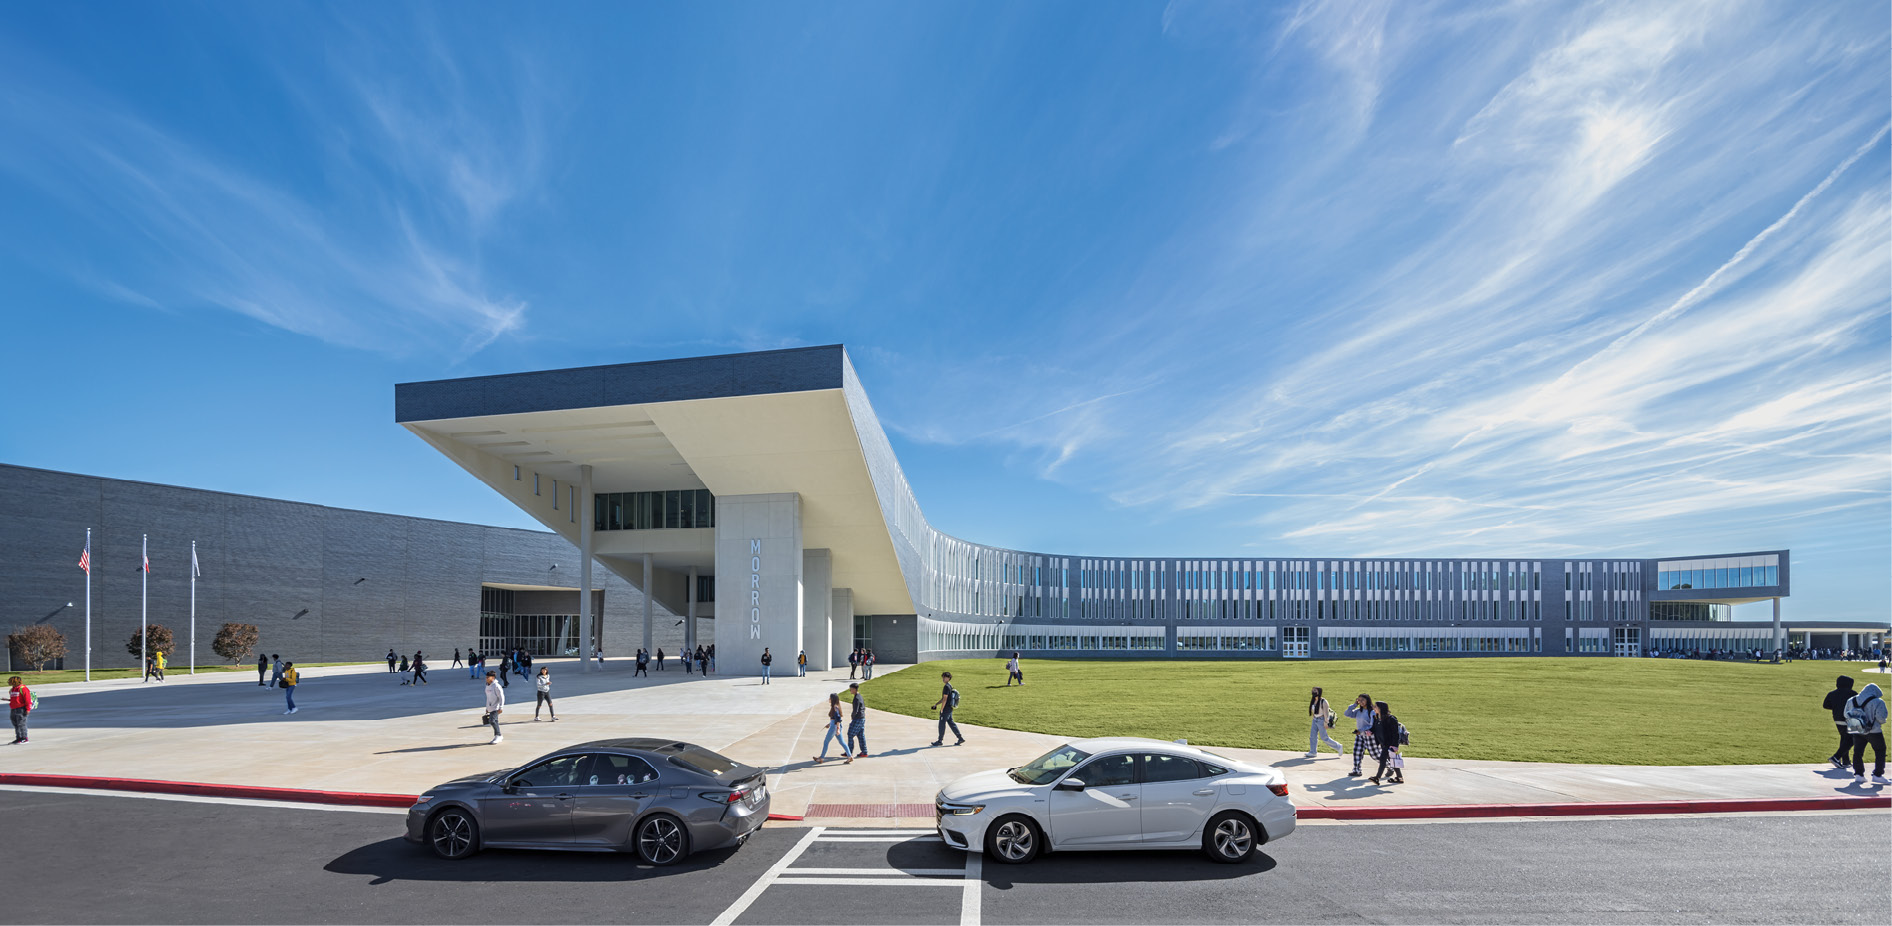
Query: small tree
[160, 641]
[37, 645]
[235, 642]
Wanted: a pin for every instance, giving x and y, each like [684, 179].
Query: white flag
[195, 572]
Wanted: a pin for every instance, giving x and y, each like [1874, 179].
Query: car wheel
[1230, 837]
[661, 840]
[1013, 840]
[453, 834]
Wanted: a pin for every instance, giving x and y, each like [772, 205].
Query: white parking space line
[857, 882]
[921, 837]
[969, 912]
[768, 877]
[889, 872]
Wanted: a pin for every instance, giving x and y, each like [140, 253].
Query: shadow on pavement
[399, 860]
[1346, 789]
[1122, 867]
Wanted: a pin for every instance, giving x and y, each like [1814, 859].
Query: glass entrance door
[1294, 642]
[1628, 641]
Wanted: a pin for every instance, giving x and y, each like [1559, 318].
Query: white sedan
[1117, 793]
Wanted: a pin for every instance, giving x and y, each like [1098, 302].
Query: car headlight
[959, 810]
[423, 799]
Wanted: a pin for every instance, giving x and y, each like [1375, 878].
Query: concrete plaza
[360, 730]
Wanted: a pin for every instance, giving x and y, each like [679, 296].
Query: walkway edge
[251, 792]
[1593, 808]
[1395, 812]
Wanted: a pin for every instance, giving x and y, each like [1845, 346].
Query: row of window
[1722, 577]
[1258, 643]
[636, 511]
[1689, 611]
[1319, 609]
[1430, 644]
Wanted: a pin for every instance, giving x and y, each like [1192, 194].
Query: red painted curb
[1593, 809]
[783, 816]
[348, 798]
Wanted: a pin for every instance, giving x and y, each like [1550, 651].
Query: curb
[200, 789]
[1393, 812]
[1592, 809]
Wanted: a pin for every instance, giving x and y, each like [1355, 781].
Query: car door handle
[1206, 792]
[1126, 797]
[640, 794]
[564, 797]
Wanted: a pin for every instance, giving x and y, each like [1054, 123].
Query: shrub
[160, 641]
[37, 645]
[235, 642]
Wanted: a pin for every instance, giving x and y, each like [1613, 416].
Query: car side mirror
[1071, 784]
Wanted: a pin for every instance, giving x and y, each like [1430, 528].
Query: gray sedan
[659, 798]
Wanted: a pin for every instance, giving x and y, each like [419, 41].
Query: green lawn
[54, 676]
[1533, 709]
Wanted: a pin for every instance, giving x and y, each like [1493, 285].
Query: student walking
[1012, 672]
[406, 679]
[948, 699]
[420, 670]
[1361, 710]
[275, 678]
[857, 723]
[159, 662]
[1865, 720]
[767, 660]
[20, 704]
[505, 669]
[473, 662]
[456, 658]
[1321, 717]
[853, 662]
[262, 669]
[544, 684]
[801, 664]
[834, 732]
[289, 680]
[1836, 703]
[660, 659]
[685, 658]
[495, 703]
[1386, 731]
[711, 652]
[643, 664]
[867, 665]
[390, 659]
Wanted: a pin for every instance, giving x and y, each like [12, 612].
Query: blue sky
[1129, 278]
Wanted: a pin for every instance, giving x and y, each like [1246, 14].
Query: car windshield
[698, 759]
[1049, 766]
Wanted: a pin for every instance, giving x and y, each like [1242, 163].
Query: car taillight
[723, 797]
[1280, 790]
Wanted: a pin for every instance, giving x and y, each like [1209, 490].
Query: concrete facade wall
[758, 581]
[321, 584]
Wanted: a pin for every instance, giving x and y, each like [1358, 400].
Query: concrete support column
[817, 571]
[650, 598]
[1780, 641]
[758, 580]
[840, 626]
[586, 620]
[689, 615]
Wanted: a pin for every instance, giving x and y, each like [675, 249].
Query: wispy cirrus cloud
[1598, 277]
[383, 251]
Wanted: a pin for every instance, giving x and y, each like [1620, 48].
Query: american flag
[85, 557]
[147, 566]
[195, 572]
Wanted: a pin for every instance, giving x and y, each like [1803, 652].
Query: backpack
[1857, 720]
[952, 700]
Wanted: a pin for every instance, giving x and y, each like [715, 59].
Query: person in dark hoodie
[1836, 704]
[1865, 720]
[1386, 731]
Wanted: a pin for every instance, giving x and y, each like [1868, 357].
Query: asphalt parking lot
[76, 858]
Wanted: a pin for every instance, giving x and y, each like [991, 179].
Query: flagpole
[88, 604]
[193, 607]
[144, 600]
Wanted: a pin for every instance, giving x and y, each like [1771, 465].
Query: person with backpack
[1323, 718]
[20, 703]
[390, 659]
[801, 664]
[420, 669]
[767, 660]
[1865, 722]
[948, 699]
[853, 661]
[834, 732]
[289, 680]
[505, 669]
[544, 684]
[1386, 731]
[275, 678]
[1013, 672]
[643, 664]
[160, 661]
[1361, 710]
[867, 665]
[1835, 703]
[406, 678]
[495, 704]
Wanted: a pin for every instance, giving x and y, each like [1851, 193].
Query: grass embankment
[1535, 709]
[55, 676]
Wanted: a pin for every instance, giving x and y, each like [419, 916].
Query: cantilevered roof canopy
[743, 424]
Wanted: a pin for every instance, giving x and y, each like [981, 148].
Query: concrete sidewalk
[360, 730]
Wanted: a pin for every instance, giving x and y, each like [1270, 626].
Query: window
[515, 474]
[552, 773]
[1158, 767]
[1109, 771]
[611, 769]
